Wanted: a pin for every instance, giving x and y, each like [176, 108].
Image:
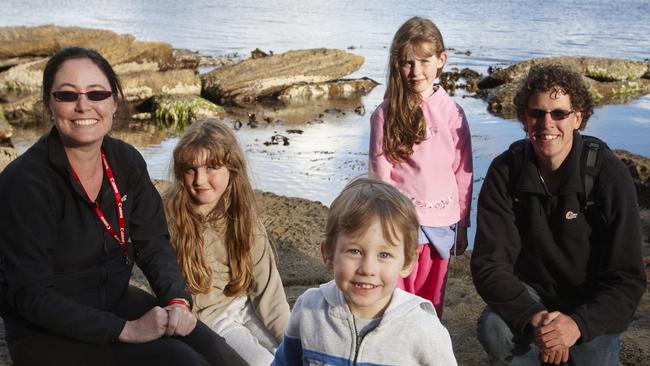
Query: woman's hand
[151, 326]
[181, 320]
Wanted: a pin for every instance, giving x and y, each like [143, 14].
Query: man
[561, 277]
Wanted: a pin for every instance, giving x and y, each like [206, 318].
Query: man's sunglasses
[556, 114]
[71, 96]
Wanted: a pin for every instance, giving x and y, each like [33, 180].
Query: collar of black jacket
[570, 178]
[59, 159]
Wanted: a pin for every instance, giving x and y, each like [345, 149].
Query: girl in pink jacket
[420, 143]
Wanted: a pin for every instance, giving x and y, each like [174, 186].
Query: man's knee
[602, 350]
[493, 333]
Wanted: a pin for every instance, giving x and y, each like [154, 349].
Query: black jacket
[589, 268]
[62, 271]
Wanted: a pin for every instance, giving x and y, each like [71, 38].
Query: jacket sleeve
[462, 166]
[378, 165]
[438, 350]
[496, 248]
[150, 236]
[27, 240]
[621, 275]
[290, 351]
[269, 299]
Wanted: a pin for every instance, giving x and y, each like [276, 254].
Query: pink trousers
[428, 277]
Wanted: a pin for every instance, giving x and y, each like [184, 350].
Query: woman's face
[82, 122]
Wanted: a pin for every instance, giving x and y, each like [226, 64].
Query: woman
[78, 211]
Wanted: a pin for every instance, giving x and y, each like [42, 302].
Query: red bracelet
[182, 302]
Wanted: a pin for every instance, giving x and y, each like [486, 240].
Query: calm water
[317, 163]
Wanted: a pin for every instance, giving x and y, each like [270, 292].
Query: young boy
[361, 317]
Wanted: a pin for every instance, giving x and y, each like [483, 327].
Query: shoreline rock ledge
[257, 78]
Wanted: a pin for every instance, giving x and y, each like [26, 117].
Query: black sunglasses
[71, 96]
[556, 114]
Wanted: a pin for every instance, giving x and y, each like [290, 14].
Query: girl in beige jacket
[221, 246]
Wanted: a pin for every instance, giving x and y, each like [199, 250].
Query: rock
[296, 229]
[601, 69]
[639, 167]
[216, 61]
[15, 61]
[500, 98]
[616, 92]
[116, 48]
[7, 155]
[178, 111]
[22, 79]
[25, 110]
[257, 53]
[254, 78]
[25, 50]
[138, 86]
[6, 131]
[183, 59]
[141, 52]
[45, 40]
[609, 81]
[343, 88]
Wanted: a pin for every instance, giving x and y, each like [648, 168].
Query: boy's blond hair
[364, 199]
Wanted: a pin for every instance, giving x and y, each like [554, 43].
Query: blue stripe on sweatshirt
[289, 353]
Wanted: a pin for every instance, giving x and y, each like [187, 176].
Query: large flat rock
[263, 77]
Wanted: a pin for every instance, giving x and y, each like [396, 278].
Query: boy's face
[366, 269]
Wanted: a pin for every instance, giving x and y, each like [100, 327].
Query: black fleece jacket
[61, 271]
[590, 269]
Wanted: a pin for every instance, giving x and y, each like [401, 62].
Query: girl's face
[205, 183]
[419, 72]
[86, 120]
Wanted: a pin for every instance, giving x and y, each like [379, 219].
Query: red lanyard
[121, 239]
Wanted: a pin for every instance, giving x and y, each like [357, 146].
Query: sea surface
[333, 148]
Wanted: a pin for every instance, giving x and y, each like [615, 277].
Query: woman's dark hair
[556, 78]
[70, 53]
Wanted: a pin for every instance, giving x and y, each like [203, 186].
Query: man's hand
[546, 329]
[557, 329]
[181, 320]
[554, 355]
[538, 318]
[149, 327]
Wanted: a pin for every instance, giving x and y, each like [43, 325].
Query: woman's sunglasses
[556, 114]
[71, 96]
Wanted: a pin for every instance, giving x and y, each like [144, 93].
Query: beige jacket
[268, 298]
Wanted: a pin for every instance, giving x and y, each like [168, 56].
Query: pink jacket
[437, 176]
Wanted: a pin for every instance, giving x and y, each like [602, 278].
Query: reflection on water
[296, 112]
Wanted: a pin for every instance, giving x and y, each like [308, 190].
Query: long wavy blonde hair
[236, 206]
[404, 123]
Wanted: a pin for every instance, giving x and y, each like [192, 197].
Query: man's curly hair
[556, 78]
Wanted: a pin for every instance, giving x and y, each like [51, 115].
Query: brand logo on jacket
[570, 215]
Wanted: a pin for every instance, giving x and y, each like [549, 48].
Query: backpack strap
[590, 167]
